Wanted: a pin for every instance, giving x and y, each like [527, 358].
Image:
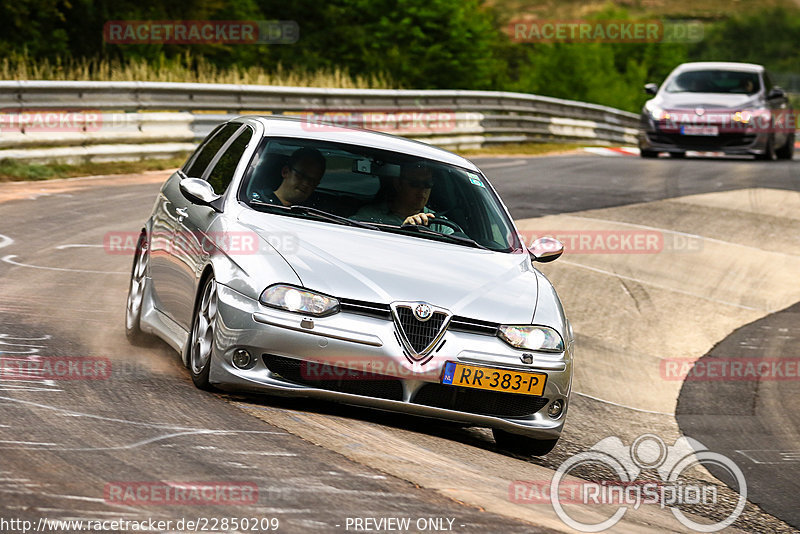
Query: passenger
[405, 202]
[300, 177]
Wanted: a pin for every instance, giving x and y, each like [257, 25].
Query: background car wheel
[201, 338]
[677, 154]
[769, 151]
[522, 444]
[648, 154]
[133, 309]
[787, 150]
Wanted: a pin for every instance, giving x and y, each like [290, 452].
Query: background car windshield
[356, 177]
[715, 81]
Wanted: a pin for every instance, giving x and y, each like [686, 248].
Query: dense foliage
[426, 44]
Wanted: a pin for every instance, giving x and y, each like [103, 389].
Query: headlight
[298, 300]
[742, 116]
[529, 337]
[657, 113]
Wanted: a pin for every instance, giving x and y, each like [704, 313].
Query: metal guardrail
[137, 117]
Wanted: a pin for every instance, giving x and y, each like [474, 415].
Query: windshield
[715, 81]
[377, 187]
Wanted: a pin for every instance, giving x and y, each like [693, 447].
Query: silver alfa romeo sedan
[354, 266]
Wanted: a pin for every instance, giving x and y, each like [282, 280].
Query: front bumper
[357, 359]
[731, 140]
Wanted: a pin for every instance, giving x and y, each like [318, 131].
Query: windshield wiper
[306, 210]
[322, 214]
[454, 238]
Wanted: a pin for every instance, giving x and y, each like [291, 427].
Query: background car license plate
[473, 376]
[699, 130]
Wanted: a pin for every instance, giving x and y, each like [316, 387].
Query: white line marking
[5, 241]
[11, 442]
[515, 163]
[6, 336]
[667, 288]
[77, 245]
[9, 259]
[72, 413]
[622, 405]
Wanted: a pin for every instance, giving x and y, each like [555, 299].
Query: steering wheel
[443, 222]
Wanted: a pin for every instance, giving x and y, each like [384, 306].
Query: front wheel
[133, 309]
[648, 153]
[787, 150]
[522, 445]
[769, 150]
[201, 340]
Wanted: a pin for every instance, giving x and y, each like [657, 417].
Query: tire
[522, 445]
[769, 151]
[787, 150]
[201, 336]
[648, 153]
[679, 155]
[133, 308]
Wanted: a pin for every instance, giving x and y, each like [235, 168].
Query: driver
[406, 203]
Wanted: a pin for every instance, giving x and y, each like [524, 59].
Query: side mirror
[200, 192]
[776, 92]
[651, 88]
[546, 249]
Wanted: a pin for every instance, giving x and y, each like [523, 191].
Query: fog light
[241, 359]
[555, 408]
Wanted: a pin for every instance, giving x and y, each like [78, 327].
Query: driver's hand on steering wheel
[419, 218]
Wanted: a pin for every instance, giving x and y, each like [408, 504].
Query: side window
[222, 173]
[209, 149]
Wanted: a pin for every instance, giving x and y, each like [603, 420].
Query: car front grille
[722, 140]
[333, 378]
[419, 334]
[479, 402]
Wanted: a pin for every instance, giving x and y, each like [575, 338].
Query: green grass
[521, 149]
[671, 9]
[181, 69]
[13, 171]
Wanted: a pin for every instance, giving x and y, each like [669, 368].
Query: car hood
[705, 100]
[374, 266]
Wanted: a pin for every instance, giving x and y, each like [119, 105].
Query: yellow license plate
[473, 376]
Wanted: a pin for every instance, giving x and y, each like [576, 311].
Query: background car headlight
[529, 337]
[657, 113]
[299, 300]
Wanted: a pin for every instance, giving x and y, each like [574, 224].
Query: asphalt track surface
[319, 466]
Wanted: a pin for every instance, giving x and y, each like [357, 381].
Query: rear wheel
[522, 445]
[133, 309]
[677, 154]
[201, 340]
[787, 150]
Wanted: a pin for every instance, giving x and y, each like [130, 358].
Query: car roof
[301, 128]
[719, 65]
